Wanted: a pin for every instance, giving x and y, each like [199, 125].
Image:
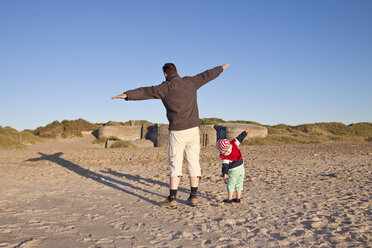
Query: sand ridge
[72, 193]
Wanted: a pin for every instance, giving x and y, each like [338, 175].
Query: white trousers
[184, 142]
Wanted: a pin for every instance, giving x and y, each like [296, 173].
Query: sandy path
[71, 193]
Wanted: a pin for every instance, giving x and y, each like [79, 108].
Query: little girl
[233, 165]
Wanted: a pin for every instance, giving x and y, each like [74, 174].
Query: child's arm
[242, 136]
[225, 167]
[225, 177]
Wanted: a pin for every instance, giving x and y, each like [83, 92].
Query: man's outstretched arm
[208, 75]
[144, 93]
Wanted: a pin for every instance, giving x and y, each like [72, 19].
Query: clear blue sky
[292, 61]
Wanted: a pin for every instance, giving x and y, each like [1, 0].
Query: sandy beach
[72, 193]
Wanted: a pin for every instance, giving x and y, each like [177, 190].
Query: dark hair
[169, 68]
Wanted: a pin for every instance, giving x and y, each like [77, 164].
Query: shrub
[50, 131]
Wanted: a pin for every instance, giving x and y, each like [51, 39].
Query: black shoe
[193, 201]
[237, 200]
[169, 203]
[227, 201]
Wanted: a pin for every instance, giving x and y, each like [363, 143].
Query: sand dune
[72, 193]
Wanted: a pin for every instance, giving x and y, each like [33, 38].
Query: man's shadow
[150, 181]
[139, 179]
[100, 178]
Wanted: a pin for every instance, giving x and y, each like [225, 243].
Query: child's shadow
[102, 179]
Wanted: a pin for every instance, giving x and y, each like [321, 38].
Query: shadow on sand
[103, 179]
[150, 181]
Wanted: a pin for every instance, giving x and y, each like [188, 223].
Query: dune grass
[314, 133]
[211, 121]
[306, 133]
[117, 144]
[214, 121]
[122, 144]
[127, 123]
[103, 140]
[65, 129]
[11, 138]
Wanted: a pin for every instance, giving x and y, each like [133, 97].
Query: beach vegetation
[214, 121]
[49, 131]
[115, 123]
[314, 133]
[211, 121]
[65, 129]
[11, 138]
[103, 140]
[128, 123]
[122, 144]
[246, 122]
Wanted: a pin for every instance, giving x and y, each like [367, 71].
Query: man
[180, 100]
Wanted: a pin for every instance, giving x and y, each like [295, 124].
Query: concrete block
[162, 135]
[122, 132]
[232, 130]
[208, 135]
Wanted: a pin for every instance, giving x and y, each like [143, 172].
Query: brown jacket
[178, 96]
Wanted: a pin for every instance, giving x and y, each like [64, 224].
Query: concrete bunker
[158, 134]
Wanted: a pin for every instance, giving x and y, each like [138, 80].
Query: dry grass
[11, 138]
[306, 133]
[65, 129]
[103, 140]
[214, 121]
[314, 133]
[128, 123]
[122, 144]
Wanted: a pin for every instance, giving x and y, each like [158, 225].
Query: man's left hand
[225, 65]
[121, 96]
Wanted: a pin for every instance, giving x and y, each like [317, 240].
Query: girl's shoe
[227, 201]
[237, 200]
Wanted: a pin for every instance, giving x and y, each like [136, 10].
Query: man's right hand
[225, 65]
[121, 96]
